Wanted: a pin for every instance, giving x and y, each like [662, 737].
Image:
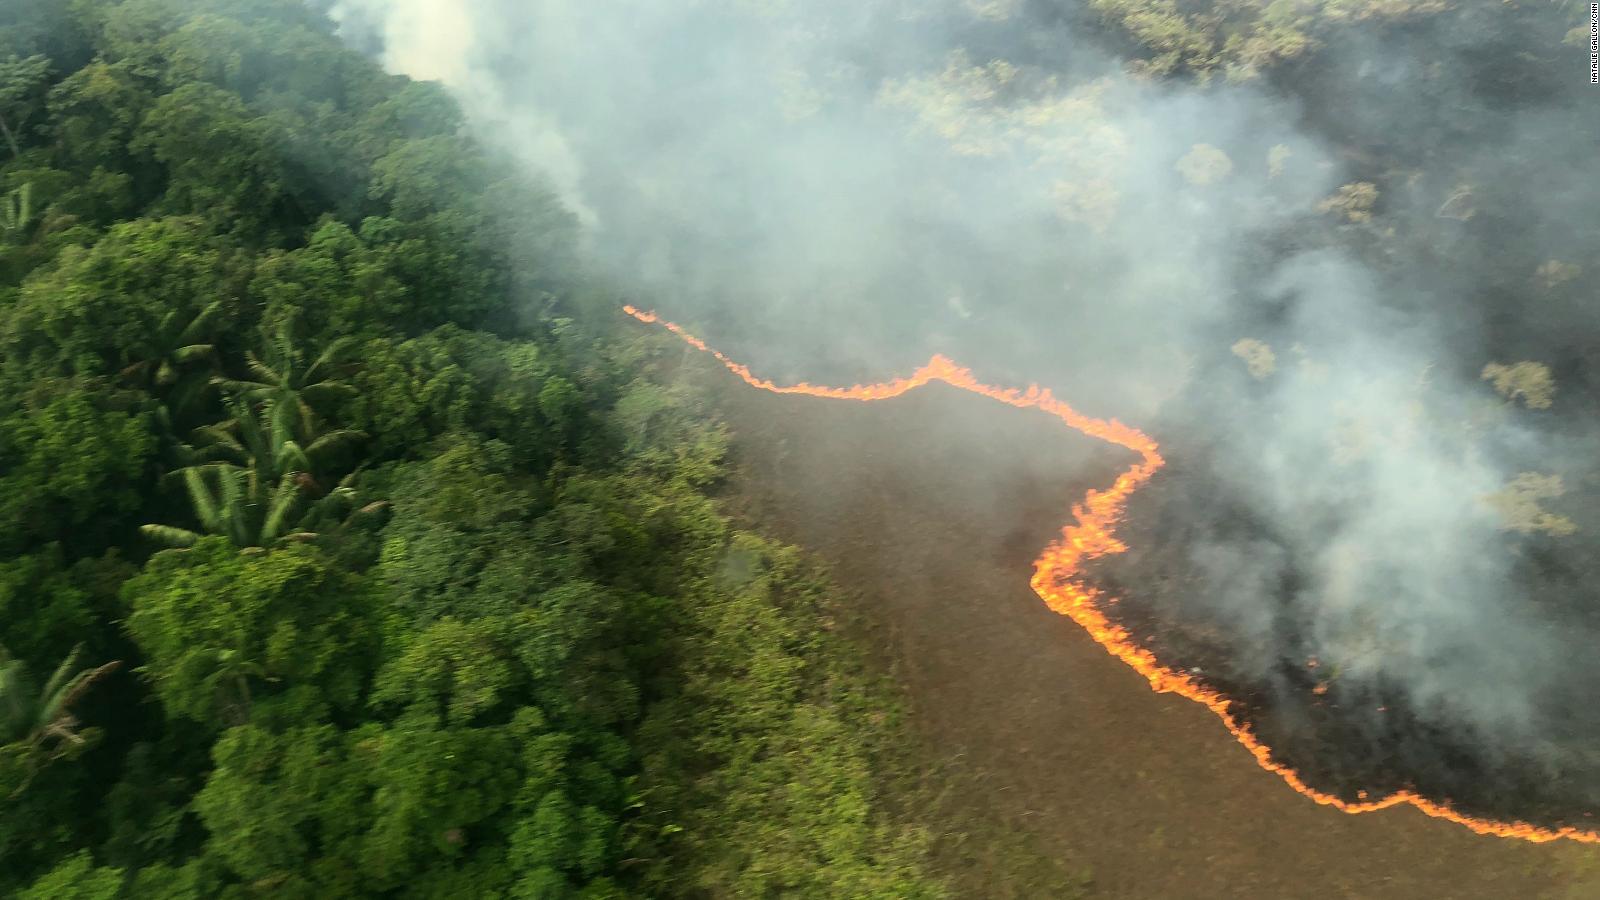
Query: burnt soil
[1344, 739]
[930, 509]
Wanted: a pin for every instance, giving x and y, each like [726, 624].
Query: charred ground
[1357, 739]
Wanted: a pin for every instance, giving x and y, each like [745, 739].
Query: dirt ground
[932, 507]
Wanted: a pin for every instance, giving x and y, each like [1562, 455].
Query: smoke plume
[1296, 280]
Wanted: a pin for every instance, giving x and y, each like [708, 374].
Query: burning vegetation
[1059, 579]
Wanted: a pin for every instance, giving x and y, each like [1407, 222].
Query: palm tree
[165, 358]
[255, 478]
[293, 390]
[261, 487]
[41, 718]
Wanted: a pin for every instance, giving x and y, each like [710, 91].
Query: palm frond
[205, 502]
[290, 458]
[284, 502]
[249, 390]
[268, 375]
[176, 538]
[330, 355]
[190, 352]
[136, 371]
[86, 680]
[250, 433]
[332, 441]
[188, 392]
[372, 510]
[167, 330]
[284, 417]
[219, 432]
[236, 497]
[214, 443]
[202, 324]
[324, 391]
[56, 688]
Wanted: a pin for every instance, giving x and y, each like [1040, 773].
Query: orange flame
[1091, 535]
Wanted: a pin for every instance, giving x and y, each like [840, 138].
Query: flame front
[1089, 535]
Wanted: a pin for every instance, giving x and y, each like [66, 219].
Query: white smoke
[847, 186]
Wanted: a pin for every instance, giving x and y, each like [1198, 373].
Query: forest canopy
[345, 548]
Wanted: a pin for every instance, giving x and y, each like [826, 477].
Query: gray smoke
[835, 189]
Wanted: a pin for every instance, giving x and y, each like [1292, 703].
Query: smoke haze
[834, 190]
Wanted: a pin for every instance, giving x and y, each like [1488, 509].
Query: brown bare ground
[931, 508]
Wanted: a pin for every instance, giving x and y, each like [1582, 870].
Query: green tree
[520, 682]
[266, 490]
[70, 468]
[166, 359]
[340, 284]
[78, 878]
[290, 390]
[95, 113]
[37, 723]
[22, 88]
[224, 634]
[98, 310]
[455, 381]
[49, 602]
[218, 162]
[466, 234]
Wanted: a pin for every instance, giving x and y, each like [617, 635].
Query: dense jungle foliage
[348, 550]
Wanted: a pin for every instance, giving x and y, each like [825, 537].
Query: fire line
[1090, 535]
